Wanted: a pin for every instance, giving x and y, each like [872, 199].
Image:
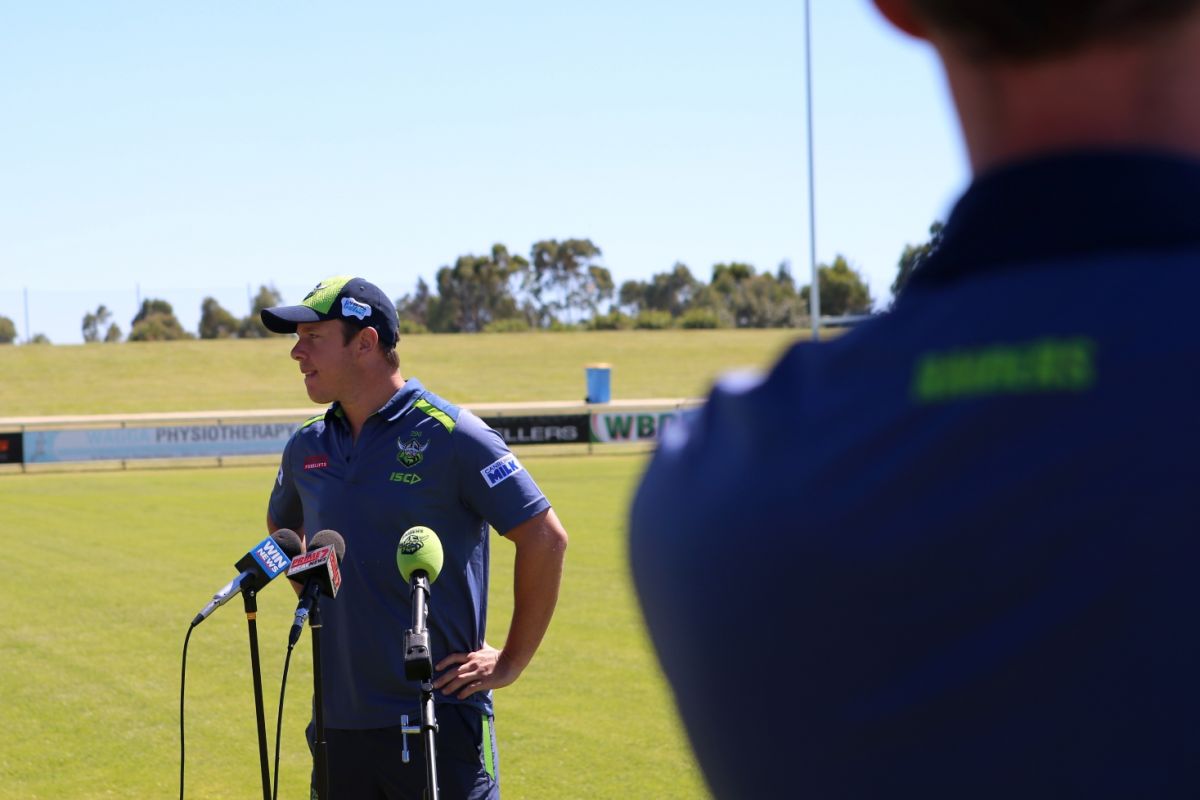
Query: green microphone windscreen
[419, 549]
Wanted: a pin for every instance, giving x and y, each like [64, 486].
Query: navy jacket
[954, 552]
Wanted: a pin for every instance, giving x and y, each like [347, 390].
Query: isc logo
[405, 477]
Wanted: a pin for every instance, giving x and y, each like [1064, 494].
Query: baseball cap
[355, 300]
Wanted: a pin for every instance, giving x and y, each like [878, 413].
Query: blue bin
[599, 383]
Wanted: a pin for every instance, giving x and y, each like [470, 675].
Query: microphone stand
[320, 746]
[418, 665]
[250, 600]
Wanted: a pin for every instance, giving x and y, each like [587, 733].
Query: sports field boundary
[480, 409]
[228, 437]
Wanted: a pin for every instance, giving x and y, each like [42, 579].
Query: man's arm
[273, 526]
[541, 543]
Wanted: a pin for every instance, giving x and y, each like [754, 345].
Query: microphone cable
[182, 686]
[279, 722]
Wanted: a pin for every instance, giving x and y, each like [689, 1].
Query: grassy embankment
[252, 374]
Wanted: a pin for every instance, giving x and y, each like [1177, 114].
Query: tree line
[562, 285]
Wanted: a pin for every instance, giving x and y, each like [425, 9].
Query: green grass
[592, 716]
[515, 367]
[105, 570]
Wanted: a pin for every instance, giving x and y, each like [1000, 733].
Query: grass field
[106, 569]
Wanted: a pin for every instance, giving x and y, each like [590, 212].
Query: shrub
[507, 325]
[411, 326]
[612, 321]
[158, 328]
[700, 318]
[654, 320]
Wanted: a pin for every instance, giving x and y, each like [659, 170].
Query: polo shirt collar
[1064, 206]
[396, 406]
[402, 400]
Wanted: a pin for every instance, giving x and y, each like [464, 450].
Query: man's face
[324, 358]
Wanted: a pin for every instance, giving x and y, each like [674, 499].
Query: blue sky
[183, 150]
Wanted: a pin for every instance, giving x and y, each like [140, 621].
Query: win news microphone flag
[318, 571]
[260, 566]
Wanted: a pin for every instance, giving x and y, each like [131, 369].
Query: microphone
[419, 559]
[318, 570]
[265, 560]
[419, 551]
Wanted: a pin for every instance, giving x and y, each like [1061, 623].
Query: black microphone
[419, 558]
[265, 560]
[318, 570]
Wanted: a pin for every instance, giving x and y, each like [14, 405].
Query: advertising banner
[215, 440]
[167, 441]
[559, 429]
[632, 426]
[10, 448]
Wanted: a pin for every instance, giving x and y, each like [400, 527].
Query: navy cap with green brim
[354, 300]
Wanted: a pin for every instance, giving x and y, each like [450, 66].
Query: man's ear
[366, 340]
[900, 14]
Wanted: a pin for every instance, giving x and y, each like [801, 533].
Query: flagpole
[815, 292]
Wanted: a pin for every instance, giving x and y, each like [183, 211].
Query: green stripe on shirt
[441, 416]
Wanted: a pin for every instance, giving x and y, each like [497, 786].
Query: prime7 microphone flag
[320, 565]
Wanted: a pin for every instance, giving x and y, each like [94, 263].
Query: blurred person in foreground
[388, 455]
[954, 552]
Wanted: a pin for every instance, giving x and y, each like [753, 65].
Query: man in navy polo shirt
[953, 553]
[386, 456]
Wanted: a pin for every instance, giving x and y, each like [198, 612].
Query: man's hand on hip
[468, 673]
